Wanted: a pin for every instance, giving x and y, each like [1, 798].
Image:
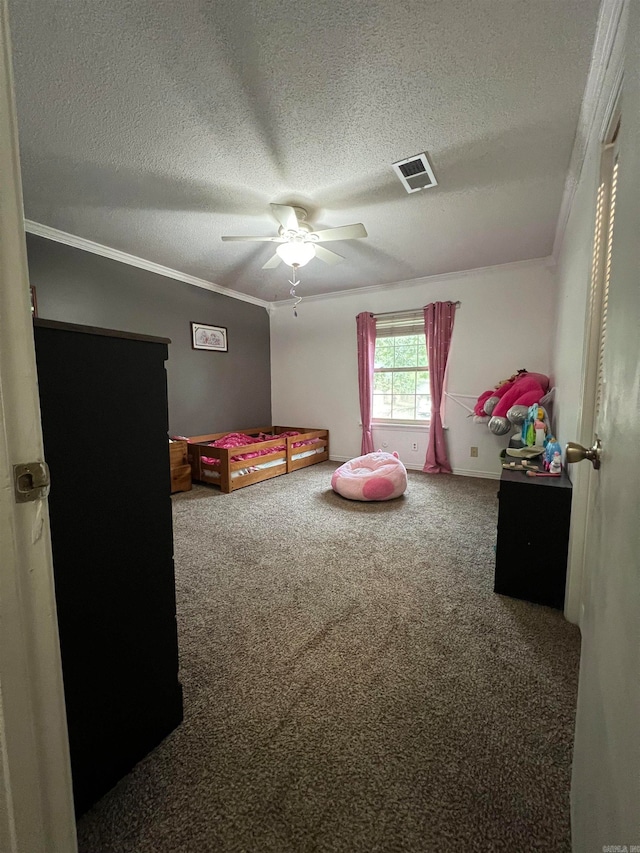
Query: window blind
[404, 323]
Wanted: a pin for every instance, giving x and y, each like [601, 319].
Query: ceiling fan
[298, 242]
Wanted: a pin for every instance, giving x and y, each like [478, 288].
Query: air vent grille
[413, 167]
[415, 173]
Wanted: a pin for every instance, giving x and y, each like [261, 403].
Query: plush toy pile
[509, 402]
[378, 476]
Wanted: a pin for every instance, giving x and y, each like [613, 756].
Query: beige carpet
[352, 683]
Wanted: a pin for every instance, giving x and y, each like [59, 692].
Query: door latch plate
[31, 481]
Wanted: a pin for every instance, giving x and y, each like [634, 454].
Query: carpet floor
[352, 683]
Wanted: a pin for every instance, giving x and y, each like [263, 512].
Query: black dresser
[103, 397]
[533, 536]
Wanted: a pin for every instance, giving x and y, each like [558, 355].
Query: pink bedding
[238, 439]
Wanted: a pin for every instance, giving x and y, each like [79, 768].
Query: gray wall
[208, 391]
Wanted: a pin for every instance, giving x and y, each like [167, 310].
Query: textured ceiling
[155, 127]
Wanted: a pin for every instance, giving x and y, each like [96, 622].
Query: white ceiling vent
[415, 173]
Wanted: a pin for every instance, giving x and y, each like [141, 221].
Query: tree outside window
[401, 379]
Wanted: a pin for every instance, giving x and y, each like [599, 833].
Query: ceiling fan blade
[342, 232]
[286, 216]
[254, 239]
[273, 262]
[327, 255]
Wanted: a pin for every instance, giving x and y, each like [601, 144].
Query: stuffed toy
[491, 397]
[508, 403]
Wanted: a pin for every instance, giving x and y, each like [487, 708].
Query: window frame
[407, 324]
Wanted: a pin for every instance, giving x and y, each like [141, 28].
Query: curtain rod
[411, 311]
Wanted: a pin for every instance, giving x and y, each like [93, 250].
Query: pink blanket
[238, 439]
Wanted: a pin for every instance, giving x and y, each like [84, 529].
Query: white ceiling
[155, 127]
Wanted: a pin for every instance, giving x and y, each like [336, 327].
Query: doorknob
[576, 453]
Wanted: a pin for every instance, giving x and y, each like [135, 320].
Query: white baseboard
[459, 472]
[485, 475]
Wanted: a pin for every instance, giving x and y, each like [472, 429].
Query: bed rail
[228, 474]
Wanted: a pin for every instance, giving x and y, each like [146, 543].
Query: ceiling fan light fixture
[296, 253]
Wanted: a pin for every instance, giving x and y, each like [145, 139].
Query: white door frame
[36, 804]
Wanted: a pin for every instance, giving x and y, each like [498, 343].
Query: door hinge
[31, 481]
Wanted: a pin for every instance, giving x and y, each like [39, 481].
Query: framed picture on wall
[209, 337]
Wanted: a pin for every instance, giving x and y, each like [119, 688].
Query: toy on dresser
[552, 451]
[551, 460]
[535, 427]
[556, 465]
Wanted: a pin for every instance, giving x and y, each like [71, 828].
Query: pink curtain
[366, 327]
[438, 326]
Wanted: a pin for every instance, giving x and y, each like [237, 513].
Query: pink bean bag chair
[378, 476]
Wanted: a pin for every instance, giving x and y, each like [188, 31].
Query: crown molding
[547, 262]
[85, 245]
[603, 84]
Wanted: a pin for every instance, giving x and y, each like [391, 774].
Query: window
[401, 371]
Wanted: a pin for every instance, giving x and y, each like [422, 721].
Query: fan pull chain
[294, 284]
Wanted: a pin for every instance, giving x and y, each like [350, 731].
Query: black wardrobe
[103, 396]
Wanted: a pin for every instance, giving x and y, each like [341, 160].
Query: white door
[36, 807]
[605, 792]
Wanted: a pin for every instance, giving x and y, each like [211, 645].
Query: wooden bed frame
[199, 448]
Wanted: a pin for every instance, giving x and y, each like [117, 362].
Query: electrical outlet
[414, 445]
[474, 451]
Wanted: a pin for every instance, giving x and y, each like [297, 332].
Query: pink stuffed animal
[378, 476]
[522, 390]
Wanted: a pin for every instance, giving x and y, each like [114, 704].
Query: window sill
[420, 426]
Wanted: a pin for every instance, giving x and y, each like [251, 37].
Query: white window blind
[406, 323]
